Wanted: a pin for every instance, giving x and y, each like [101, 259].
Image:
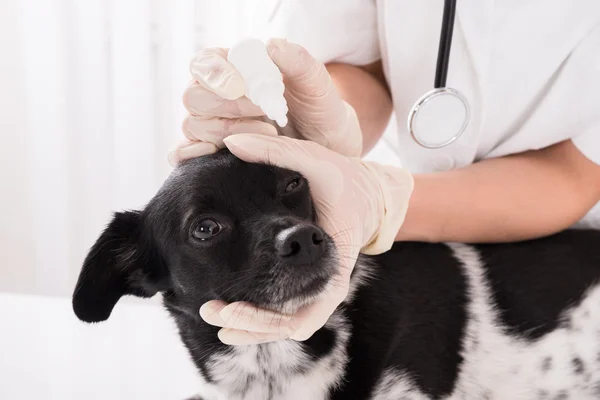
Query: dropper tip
[282, 121]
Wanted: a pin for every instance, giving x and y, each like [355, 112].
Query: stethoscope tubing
[443, 59]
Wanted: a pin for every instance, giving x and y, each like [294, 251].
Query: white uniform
[530, 68]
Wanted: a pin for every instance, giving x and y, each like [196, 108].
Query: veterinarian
[526, 165]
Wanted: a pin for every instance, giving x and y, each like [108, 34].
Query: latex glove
[218, 107]
[361, 205]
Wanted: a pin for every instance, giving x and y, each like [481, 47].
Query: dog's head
[219, 228]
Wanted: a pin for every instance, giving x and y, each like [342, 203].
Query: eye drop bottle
[264, 82]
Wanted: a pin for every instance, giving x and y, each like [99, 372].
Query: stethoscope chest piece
[441, 115]
[438, 118]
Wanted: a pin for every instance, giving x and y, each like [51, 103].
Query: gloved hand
[218, 107]
[361, 205]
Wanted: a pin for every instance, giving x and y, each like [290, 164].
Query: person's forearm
[507, 199]
[364, 89]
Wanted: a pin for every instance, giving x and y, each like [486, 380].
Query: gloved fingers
[244, 316]
[303, 156]
[214, 130]
[236, 337]
[190, 149]
[212, 70]
[199, 100]
[245, 324]
[307, 321]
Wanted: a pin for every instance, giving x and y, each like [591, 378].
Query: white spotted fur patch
[279, 370]
[562, 365]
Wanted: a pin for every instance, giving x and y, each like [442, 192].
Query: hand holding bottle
[218, 106]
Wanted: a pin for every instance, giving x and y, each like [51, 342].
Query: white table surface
[46, 353]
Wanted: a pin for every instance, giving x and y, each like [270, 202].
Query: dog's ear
[121, 262]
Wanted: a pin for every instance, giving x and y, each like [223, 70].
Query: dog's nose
[301, 244]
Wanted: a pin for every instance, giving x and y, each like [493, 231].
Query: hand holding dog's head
[219, 228]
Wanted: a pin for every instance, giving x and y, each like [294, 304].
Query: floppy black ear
[121, 262]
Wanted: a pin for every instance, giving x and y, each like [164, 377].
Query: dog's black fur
[410, 315]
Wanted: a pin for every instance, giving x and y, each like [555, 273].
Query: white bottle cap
[264, 82]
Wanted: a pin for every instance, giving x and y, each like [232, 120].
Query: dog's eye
[292, 185]
[207, 229]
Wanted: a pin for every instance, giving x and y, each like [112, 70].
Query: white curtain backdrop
[89, 104]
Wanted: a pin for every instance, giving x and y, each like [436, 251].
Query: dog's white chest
[277, 371]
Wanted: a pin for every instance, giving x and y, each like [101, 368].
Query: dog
[421, 321]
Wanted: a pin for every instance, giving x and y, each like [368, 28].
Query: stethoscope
[441, 115]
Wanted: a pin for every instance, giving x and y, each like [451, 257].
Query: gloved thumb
[316, 108]
[298, 65]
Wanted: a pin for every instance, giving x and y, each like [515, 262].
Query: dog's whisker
[243, 277]
[232, 292]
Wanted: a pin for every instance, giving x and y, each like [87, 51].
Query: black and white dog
[422, 321]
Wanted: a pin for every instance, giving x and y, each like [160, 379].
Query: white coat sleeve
[332, 31]
[589, 143]
[586, 95]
